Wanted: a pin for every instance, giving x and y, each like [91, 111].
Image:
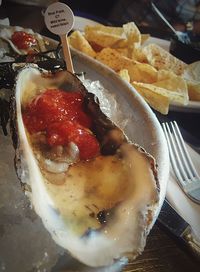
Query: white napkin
[188, 209]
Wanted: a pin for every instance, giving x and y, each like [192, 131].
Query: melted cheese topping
[90, 187]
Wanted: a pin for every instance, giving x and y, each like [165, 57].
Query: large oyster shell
[105, 207]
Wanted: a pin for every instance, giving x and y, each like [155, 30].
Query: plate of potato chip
[165, 82]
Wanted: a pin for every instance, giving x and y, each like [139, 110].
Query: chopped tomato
[23, 40]
[58, 132]
[61, 116]
[53, 106]
[87, 143]
[64, 132]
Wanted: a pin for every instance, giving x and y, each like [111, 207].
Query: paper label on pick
[59, 18]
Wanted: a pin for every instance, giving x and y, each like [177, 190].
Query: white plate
[80, 23]
[24, 239]
[193, 106]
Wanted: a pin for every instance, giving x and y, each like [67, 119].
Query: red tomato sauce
[23, 40]
[62, 117]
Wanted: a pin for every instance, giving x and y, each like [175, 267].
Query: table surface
[162, 253]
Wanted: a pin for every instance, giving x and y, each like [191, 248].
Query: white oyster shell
[122, 185]
[6, 34]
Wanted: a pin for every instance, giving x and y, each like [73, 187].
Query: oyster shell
[6, 35]
[101, 209]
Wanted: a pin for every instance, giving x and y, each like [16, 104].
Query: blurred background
[184, 15]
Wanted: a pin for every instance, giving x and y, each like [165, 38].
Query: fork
[187, 176]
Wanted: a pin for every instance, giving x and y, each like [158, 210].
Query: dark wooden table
[162, 253]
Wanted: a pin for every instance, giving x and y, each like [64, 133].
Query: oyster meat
[100, 208]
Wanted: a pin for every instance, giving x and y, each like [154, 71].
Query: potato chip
[113, 30]
[194, 90]
[175, 84]
[124, 75]
[156, 100]
[121, 44]
[174, 97]
[165, 74]
[123, 51]
[133, 53]
[132, 33]
[142, 72]
[161, 59]
[77, 40]
[104, 36]
[192, 76]
[192, 72]
[144, 38]
[113, 59]
[102, 39]
[138, 55]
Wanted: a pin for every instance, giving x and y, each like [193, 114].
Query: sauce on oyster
[23, 40]
[57, 119]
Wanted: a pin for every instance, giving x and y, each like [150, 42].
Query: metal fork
[187, 176]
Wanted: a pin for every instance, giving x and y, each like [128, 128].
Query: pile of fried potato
[157, 75]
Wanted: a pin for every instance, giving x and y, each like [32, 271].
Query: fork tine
[179, 156]
[170, 144]
[174, 153]
[182, 157]
[188, 162]
[186, 174]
